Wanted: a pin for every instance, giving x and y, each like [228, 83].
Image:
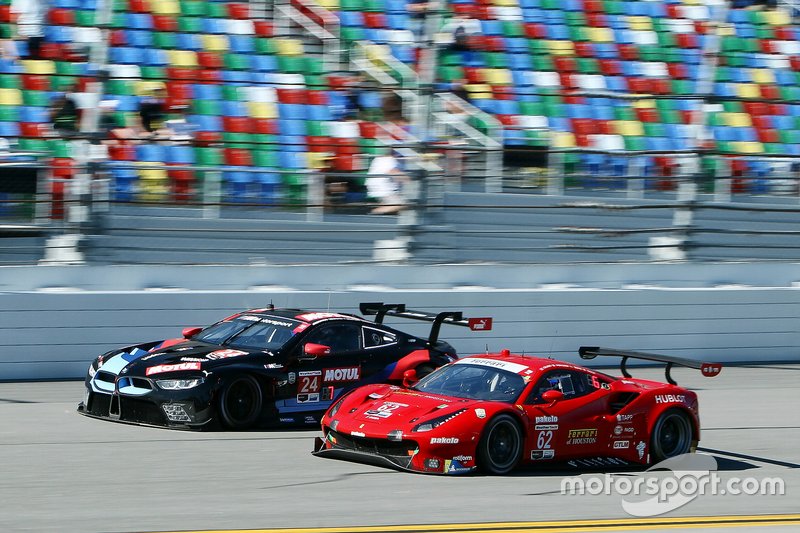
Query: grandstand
[273, 97]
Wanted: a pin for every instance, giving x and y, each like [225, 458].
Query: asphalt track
[60, 471]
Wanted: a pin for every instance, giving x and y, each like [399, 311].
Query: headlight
[178, 384]
[336, 406]
[436, 422]
[92, 370]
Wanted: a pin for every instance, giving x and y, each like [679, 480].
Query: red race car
[492, 412]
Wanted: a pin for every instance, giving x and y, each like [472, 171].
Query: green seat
[266, 158]
[59, 148]
[374, 6]
[291, 64]
[578, 33]
[66, 68]
[120, 5]
[316, 82]
[119, 20]
[635, 143]
[450, 59]
[153, 73]
[236, 62]
[121, 87]
[264, 141]
[732, 107]
[207, 107]
[614, 7]
[165, 40]
[538, 47]
[666, 39]
[654, 129]
[736, 59]
[190, 25]
[650, 53]
[765, 32]
[231, 93]
[672, 55]
[575, 18]
[208, 156]
[84, 17]
[723, 74]
[624, 113]
[537, 137]
[193, 8]
[451, 73]
[316, 128]
[495, 59]
[36, 98]
[513, 28]
[350, 33]
[554, 110]
[217, 10]
[33, 145]
[671, 117]
[10, 81]
[351, 5]
[237, 140]
[531, 108]
[9, 113]
[550, 4]
[587, 65]
[543, 63]
[371, 146]
[61, 83]
[314, 66]
[683, 87]
[773, 148]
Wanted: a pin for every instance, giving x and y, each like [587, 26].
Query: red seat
[117, 38]
[647, 115]
[319, 143]
[317, 97]
[770, 92]
[628, 52]
[165, 23]
[61, 17]
[180, 89]
[596, 20]
[639, 85]
[345, 146]
[238, 157]
[507, 120]
[63, 167]
[610, 67]
[239, 10]
[205, 138]
[583, 126]
[686, 40]
[473, 75]
[368, 130]
[660, 86]
[35, 82]
[181, 182]
[767, 136]
[237, 124]
[263, 28]
[291, 96]
[593, 6]
[375, 20]
[494, 43]
[180, 73]
[122, 152]
[565, 64]
[782, 33]
[5, 13]
[768, 46]
[756, 108]
[139, 6]
[504, 92]
[33, 129]
[584, 49]
[534, 30]
[568, 81]
[209, 60]
[347, 163]
[677, 71]
[265, 125]
[208, 75]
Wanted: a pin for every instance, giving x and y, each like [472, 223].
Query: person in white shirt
[30, 23]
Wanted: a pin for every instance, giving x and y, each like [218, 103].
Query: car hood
[168, 358]
[398, 408]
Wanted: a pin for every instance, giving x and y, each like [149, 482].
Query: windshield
[250, 332]
[475, 382]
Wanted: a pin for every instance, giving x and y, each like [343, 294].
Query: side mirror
[552, 396]
[409, 378]
[188, 333]
[316, 350]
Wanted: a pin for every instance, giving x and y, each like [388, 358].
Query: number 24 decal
[309, 384]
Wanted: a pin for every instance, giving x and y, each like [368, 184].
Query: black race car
[263, 367]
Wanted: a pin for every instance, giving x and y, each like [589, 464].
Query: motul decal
[160, 369]
[480, 324]
[350, 373]
[710, 369]
[225, 354]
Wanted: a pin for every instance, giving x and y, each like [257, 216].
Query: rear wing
[707, 369]
[453, 318]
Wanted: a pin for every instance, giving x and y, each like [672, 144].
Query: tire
[240, 402]
[672, 435]
[500, 447]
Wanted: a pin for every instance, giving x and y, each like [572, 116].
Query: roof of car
[517, 363]
[301, 314]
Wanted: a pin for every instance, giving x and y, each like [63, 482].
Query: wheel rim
[240, 401]
[674, 435]
[503, 445]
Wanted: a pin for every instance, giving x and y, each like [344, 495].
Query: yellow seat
[479, 90]
[748, 90]
[562, 139]
[505, 3]
[726, 30]
[777, 17]
[747, 147]
[147, 87]
[289, 47]
[640, 23]
[561, 48]
[153, 183]
[629, 128]
[262, 109]
[165, 7]
[10, 97]
[644, 104]
[330, 5]
[215, 43]
[318, 160]
[182, 58]
[38, 66]
[762, 75]
[601, 35]
[739, 120]
[497, 76]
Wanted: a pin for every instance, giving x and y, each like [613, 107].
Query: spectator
[417, 14]
[64, 113]
[456, 32]
[385, 182]
[8, 50]
[153, 109]
[30, 20]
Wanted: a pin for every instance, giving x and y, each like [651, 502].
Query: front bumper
[403, 455]
[183, 411]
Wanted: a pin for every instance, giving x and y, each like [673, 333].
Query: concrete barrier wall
[52, 335]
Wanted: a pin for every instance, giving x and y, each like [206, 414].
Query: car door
[313, 382]
[572, 427]
[381, 352]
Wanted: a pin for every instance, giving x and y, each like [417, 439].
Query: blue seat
[292, 127]
[212, 25]
[351, 18]
[507, 107]
[292, 143]
[557, 31]
[395, 6]
[264, 63]
[491, 27]
[370, 99]
[530, 4]
[517, 46]
[532, 14]
[207, 92]
[403, 52]
[34, 114]
[139, 38]
[559, 123]
[240, 77]
[151, 152]
[155, 57]
[9, 129]
[520, 79]
[397, 21]
[127, 103]
[292, 111]
[269, 190]
[606, 51]
[234, 109]
[241, 44]
[485, 105]
[139, 21]
[189, 41]
[292, 160]
[125, 183]
[206, 122]
[319, 112]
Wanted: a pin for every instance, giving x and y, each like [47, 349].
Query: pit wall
[53, 331]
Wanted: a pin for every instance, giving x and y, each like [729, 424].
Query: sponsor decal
[249, 318]
[444, 440]
[302, 327]
[670, 398]
[313, 317]
[545, 427]
[273, 365]
[617, 430]
[640, 448]
[182, 349]
[480, 413]
[292, 377]
[494, 363]
[308, 398]
[358, 434]
[193, 359]
[624, 418]
[349, 373]
[546, 419]
[462, 458]
[480, 324]
[309, 420]
[148, 357]
[538, 455]
[286, 420]
[621, 444]
[385, 410]
[582, 436]
[225, 354]
[274, 322]
[455, 467]
[710, 369]
[160, 369]
[328, 393]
